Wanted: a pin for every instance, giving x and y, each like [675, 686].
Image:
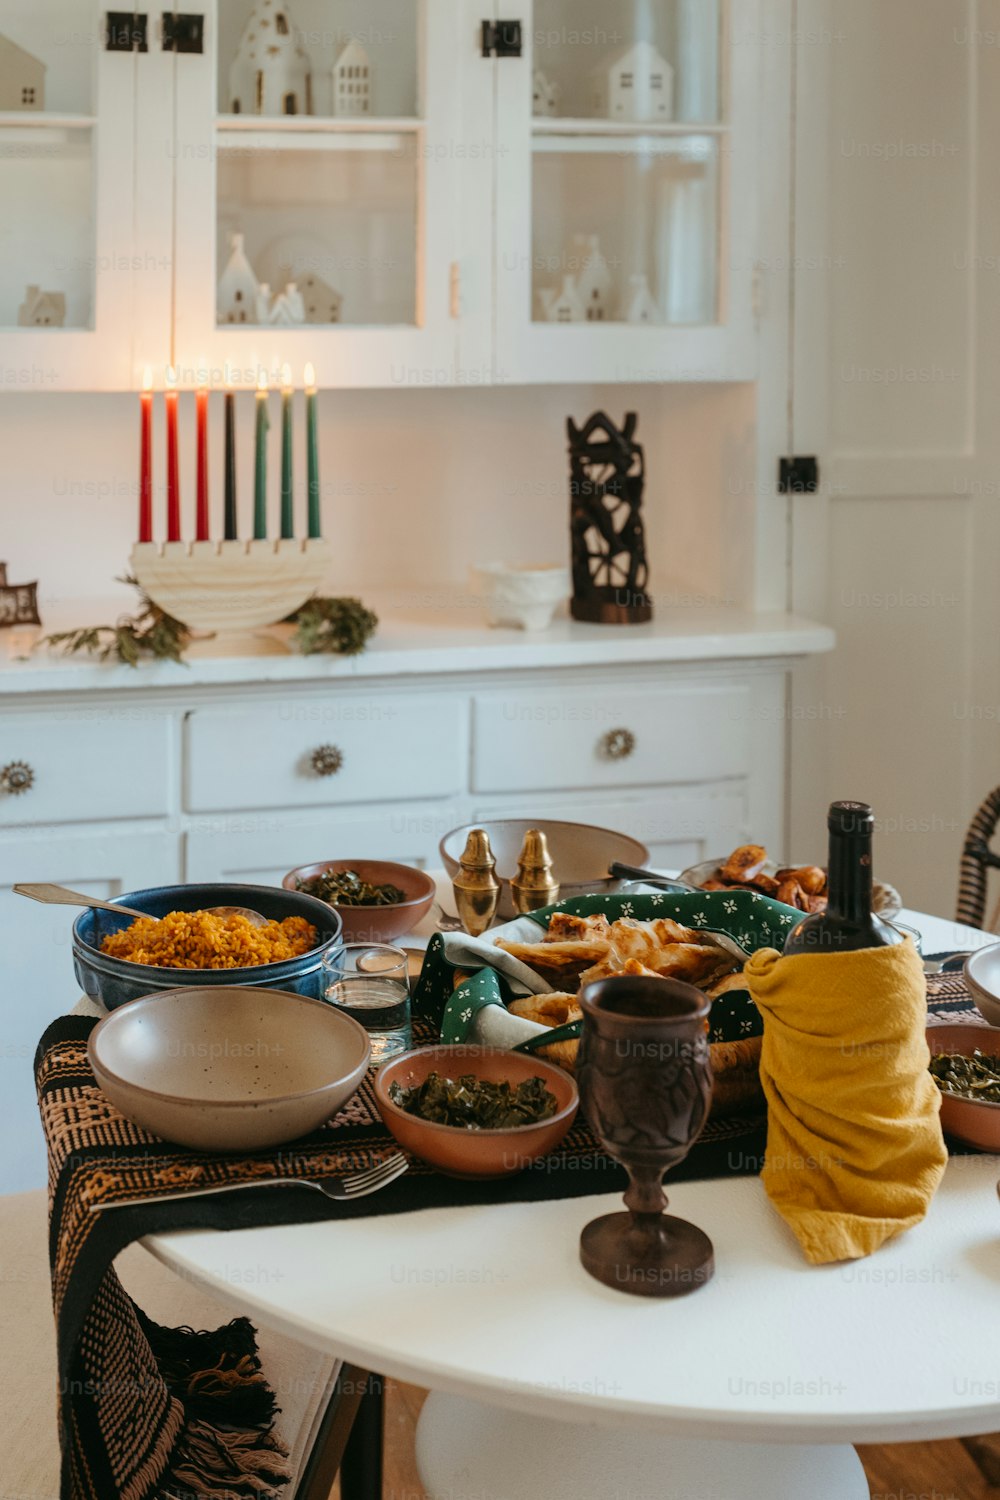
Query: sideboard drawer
[74, 764]
[303, 753]
[609, 738]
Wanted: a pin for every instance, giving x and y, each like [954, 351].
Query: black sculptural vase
[607, 472]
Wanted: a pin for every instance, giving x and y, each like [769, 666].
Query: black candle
[229, 530]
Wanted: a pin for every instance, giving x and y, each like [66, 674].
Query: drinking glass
[370, 981]
[645, 1086]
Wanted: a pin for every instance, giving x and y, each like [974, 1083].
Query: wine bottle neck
[850, 878]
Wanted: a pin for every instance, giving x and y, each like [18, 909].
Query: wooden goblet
[645, 1085]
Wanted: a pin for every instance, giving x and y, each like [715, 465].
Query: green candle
[312, 452]
[260, 464]
[287, 529]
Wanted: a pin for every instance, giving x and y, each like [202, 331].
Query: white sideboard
[210, 771]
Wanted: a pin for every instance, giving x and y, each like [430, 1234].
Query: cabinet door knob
[617, 744]
[327, 760]
[16, 777]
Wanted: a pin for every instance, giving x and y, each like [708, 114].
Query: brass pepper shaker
[534, 885]
[476, 887]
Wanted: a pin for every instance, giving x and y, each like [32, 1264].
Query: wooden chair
[331, 1412]
[977, 861]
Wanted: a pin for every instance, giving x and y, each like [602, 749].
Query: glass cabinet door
[630, 177]
[66, 195]
[314, 208]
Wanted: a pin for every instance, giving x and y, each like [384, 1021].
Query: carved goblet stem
[645, 1085]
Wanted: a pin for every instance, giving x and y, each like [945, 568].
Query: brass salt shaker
[476, 887]
[534, 885]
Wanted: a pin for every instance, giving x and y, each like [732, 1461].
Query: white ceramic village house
[239, 290]
[636, 86]
[42, 309]
[352, 81]
[22, 78]
[593, 279]
[270, 72]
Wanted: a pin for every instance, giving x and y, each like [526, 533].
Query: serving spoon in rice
[59, 895]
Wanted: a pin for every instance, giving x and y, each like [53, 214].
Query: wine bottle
[848, 922]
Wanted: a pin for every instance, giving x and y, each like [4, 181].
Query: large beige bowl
[581, 854]
[228, 1069]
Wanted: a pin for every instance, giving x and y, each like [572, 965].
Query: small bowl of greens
[475, 1111]
[377, 901]
[965, 1065]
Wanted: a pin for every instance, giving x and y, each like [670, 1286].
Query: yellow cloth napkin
[854, 1146]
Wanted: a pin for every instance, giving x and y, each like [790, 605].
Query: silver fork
[342, 1189]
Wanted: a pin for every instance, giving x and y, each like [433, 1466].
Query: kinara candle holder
[645, 1080]
[214, 587]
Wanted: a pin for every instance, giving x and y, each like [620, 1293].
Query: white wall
[416, 483]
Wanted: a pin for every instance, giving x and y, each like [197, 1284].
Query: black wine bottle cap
[850, 817]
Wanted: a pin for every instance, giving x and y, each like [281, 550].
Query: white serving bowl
[982, 975]
[526, 597]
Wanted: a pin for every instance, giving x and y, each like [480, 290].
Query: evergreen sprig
[339, 626]
[150, 634]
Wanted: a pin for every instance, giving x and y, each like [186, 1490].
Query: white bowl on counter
[523, 596]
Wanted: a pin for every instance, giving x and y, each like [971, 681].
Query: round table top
[492, 1302]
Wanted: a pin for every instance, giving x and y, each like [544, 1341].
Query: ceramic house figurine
[642, 307]
[544, 94]
[352, 81]
[270, 73]
[636, 86]
[287, 308]
[238, 292]
[41, 309]
[565, 306]
[322, 303]
[593, 279]
[22, 78]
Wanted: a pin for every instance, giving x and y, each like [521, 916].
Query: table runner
[147, 1412]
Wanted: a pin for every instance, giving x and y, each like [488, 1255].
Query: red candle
[173, 481]
[201, 518]
[146, 457]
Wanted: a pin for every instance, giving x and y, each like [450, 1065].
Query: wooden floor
[902, 1471]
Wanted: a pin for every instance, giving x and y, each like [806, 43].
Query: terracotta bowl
[974, 1121]
[375, 924]
[982, 975]
[475, 1153]
[228, 1069]
[581, 854]
[886, 900]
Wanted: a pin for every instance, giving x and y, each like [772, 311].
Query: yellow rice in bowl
[201, 940]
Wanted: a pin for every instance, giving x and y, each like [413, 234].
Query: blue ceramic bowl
[114, 981]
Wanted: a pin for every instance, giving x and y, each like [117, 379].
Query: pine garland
[151, 634]
[322, 626]
[342, 626]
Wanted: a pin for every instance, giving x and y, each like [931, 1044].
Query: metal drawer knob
[16, 777]
[327, 760]
[617, 744]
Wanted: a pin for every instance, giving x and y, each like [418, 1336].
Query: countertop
[420, 633]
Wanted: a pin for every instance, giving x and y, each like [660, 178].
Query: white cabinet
[67, 175]
[36, 943]
[367, 188]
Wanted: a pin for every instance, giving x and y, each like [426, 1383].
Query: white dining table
[546, 1385]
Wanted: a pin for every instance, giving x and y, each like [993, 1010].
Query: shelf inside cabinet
[282, 126]
[685, 145]
[22, 119]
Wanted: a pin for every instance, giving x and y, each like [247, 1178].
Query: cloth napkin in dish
[854, 1144]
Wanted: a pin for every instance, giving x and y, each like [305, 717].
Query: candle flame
[171, 375]
[147, 378]
[310, 378]
[262, 382]
[286, 377]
